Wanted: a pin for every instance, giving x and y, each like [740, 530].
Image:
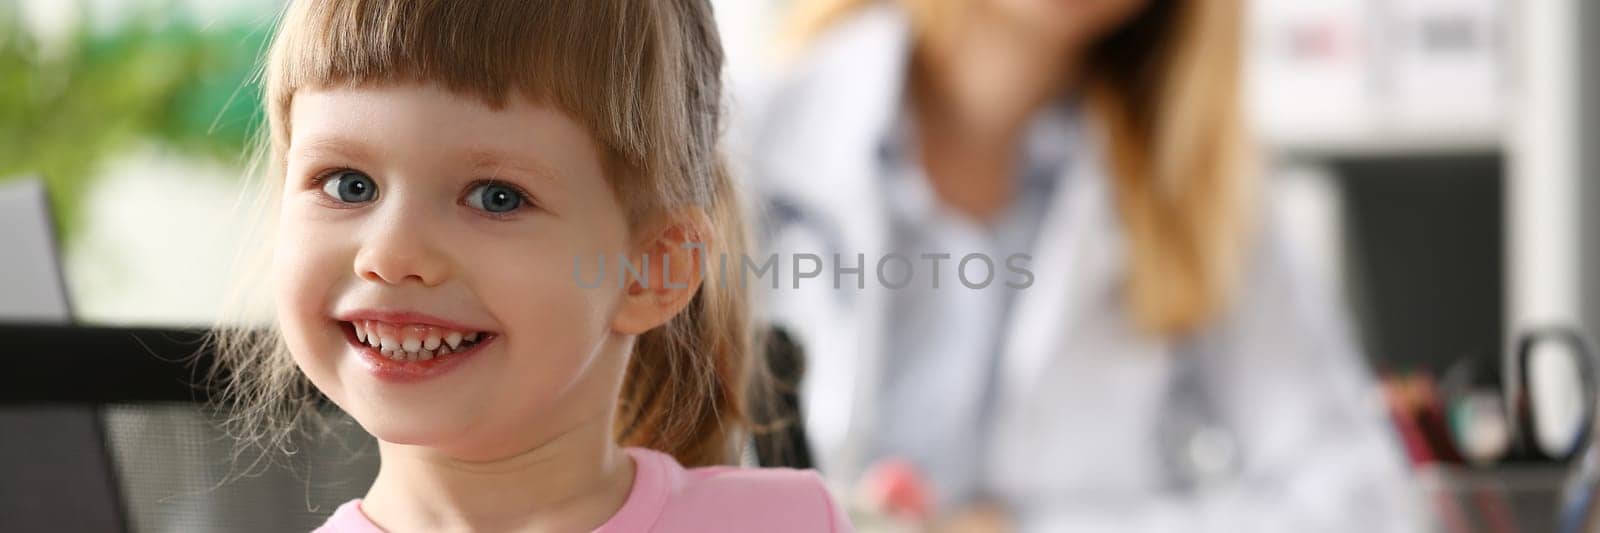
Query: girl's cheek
[288, 269]
[301, 276]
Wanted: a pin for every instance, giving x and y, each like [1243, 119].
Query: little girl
[438, 171]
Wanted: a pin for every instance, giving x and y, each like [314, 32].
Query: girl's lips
[405, 317]
[390, 370]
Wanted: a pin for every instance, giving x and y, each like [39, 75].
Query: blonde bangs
[593, 60]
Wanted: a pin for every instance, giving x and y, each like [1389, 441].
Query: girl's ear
[670, 264]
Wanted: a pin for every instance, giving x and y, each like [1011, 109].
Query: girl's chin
[434, 443]
[412, 433]
[400, 425]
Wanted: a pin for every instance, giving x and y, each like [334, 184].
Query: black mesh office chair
[151, 456]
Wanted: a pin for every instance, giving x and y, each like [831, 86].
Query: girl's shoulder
[666, 497]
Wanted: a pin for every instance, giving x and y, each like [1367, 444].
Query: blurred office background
[1438, 156]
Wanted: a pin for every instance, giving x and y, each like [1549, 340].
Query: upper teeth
[410, 342]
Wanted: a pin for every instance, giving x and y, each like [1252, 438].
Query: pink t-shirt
[667, 498]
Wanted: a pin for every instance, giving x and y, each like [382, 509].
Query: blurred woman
[1166, 365]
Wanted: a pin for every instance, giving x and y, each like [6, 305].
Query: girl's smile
[405, 347]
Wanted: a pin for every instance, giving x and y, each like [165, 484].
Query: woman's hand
[894, 497]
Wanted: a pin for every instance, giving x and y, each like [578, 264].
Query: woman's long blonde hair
[643, 77]
[1165, 88]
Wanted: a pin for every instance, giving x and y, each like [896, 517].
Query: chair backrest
[58, 473]
[30, 274]
[170, 467]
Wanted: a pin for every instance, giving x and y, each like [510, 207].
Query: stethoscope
[782, 215]
[1197, 447]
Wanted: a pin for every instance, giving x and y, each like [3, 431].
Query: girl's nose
[398, 249]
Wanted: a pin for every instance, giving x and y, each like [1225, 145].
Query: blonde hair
[643, 77]
[1165, 86]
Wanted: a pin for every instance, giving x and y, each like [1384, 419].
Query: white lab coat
[1266, 421]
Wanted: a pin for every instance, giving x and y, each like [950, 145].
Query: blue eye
[494, 198]
[350, 187]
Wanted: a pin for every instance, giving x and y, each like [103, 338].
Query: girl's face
[411, 214]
